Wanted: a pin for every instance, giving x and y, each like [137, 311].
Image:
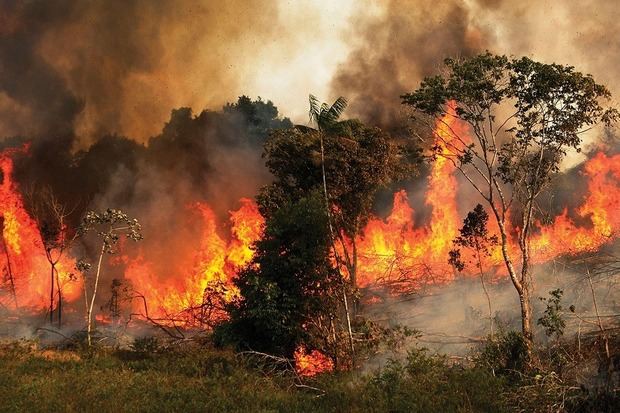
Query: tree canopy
[522, 117]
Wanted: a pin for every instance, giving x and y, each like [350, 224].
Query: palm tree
[324, 117]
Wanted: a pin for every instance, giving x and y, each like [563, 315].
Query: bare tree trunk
[486, 292]
[526, 319]
[598, 317]
[354, 277]
[333, 242]
[524, 296]
[9, 270]
[94, 295]
[52, 294]
[59, 297]
[521, 285]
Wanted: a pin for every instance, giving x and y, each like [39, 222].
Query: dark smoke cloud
[120, 66]
[34, 99]
[396, 49]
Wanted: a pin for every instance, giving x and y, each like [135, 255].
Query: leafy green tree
[258, 116]
[552, 319]
[523, 117]
[108, 226]
[474, 235]
[287, 292]
[346, 160]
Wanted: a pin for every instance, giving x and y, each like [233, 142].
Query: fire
[388, 247]
[24, 264]
[311, 363]
[392, 249]
[214, 265]
[601, 206]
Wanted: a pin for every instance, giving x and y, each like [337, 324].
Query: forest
[439, 232]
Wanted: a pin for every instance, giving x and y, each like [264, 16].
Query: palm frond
[314, 111]
[338, 107]
[323, 114]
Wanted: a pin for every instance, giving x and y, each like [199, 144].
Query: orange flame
[215, 263]
[311, 363]
[387, 247]
[22, 253]
[393, 249]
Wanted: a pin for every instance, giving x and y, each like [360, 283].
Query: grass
[211, 380]
[199, 378]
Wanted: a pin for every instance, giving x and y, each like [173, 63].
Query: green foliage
[474, 234]
[189, 143]
[207, 380]
[324, 115]
[552, 105]
[505, 355]
[358, 161]
[374, 338]
[192, 378]
[425, 383]
[145, 345]
[259, 116]
[289, 285]
[552, 319]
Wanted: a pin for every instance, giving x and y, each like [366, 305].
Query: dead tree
[52, 218]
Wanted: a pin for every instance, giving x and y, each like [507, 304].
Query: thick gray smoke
[454, 318]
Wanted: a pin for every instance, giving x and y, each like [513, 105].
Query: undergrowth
[149, 376]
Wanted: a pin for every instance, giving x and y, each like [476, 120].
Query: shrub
[505, 355]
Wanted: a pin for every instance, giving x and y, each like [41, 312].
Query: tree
[287, 293]
[109, 226]
[52, 219]
[474, 235]
[523, 116]
[346, 160]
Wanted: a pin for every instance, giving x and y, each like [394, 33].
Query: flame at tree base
[309, 364]
[26, 271]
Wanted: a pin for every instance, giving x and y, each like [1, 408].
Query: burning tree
[52, 218]
[523, 117]
[109, 225]
[288, 292]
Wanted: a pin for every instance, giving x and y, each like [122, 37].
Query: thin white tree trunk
[92, 300]
[333, 242]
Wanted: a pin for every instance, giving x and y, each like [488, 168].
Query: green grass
[208, 380]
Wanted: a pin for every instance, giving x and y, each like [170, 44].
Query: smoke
[120, 66]
[454, 318]
[395, 47]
